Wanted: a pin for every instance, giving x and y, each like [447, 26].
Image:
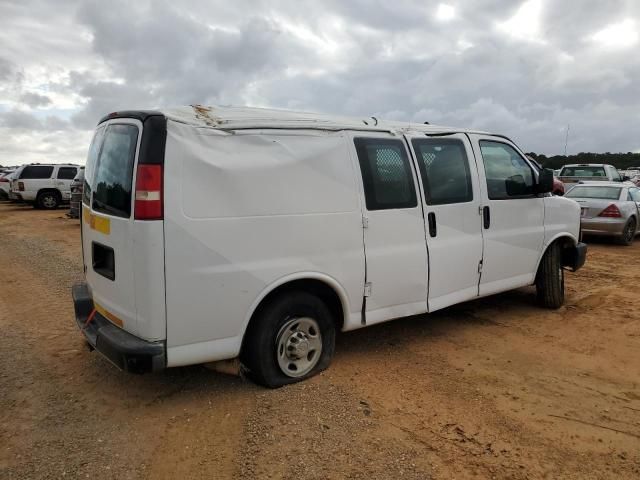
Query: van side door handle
[486, 217]
[433, 229]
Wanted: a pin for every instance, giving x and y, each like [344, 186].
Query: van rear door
[123, 257]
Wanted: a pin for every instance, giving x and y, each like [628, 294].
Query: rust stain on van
[204, 113]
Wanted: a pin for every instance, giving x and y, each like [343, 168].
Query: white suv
[44, 185]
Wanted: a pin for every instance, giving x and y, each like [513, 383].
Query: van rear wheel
[291, 339]
[550, 278]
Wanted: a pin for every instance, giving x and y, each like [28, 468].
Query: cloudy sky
[526, 69]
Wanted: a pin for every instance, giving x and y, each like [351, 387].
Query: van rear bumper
[124, 350]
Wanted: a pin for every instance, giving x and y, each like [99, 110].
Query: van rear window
[111, 176]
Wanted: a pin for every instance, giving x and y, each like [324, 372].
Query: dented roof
[245, 118]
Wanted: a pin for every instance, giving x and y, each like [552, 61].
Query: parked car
[5, 180]
[260, 233]
[608, 208]
[601, 172]
[43, 185]
[76, 194]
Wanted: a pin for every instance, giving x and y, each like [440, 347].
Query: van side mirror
[545, 181]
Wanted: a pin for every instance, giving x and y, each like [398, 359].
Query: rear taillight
[148, 203]
[21, 186]
[612, 211]
[3, 180]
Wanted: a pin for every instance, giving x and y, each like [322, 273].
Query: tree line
[622, 161]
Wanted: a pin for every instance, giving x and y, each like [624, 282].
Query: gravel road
[495, 388]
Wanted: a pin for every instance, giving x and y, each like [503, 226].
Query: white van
[210, 233]
[44, 185]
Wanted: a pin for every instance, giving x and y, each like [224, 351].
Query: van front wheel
[292, 338]
[550, 278]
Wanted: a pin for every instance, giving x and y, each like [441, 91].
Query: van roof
[249, 118]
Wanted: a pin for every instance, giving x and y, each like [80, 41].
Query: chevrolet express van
[210, 233]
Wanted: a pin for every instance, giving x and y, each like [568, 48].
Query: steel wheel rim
[48, 201]
[298, 346]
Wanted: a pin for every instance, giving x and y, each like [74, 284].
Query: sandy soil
[495, 388]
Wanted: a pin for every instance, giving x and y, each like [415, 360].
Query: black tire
[259, 355]
[550, 278]
[629, 232]
[49, 200]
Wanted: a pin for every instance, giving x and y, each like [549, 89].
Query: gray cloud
[35, 100]
[359, 58]
[21, 120]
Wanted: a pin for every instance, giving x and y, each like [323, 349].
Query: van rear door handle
[433, 229]
[486, 217]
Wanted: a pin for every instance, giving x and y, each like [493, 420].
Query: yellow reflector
[99, 224]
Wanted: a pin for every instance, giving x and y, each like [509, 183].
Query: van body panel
[148, 268]
[243, 211]
[560, 216]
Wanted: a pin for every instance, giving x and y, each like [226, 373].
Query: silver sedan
[608, 208]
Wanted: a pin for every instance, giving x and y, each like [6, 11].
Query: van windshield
[109, 170]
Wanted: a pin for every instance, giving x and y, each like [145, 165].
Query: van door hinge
[480, 210]
[480, 266]
[365, 221]
[367, 289]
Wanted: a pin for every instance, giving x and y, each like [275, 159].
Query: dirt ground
[495, 388]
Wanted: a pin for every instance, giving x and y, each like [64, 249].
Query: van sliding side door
[393, 229]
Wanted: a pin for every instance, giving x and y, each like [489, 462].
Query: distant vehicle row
[43, 185]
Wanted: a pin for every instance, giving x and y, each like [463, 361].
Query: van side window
[444, 168]
[386, 174]
[67, 173]
[37, 172]
[508, 174]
